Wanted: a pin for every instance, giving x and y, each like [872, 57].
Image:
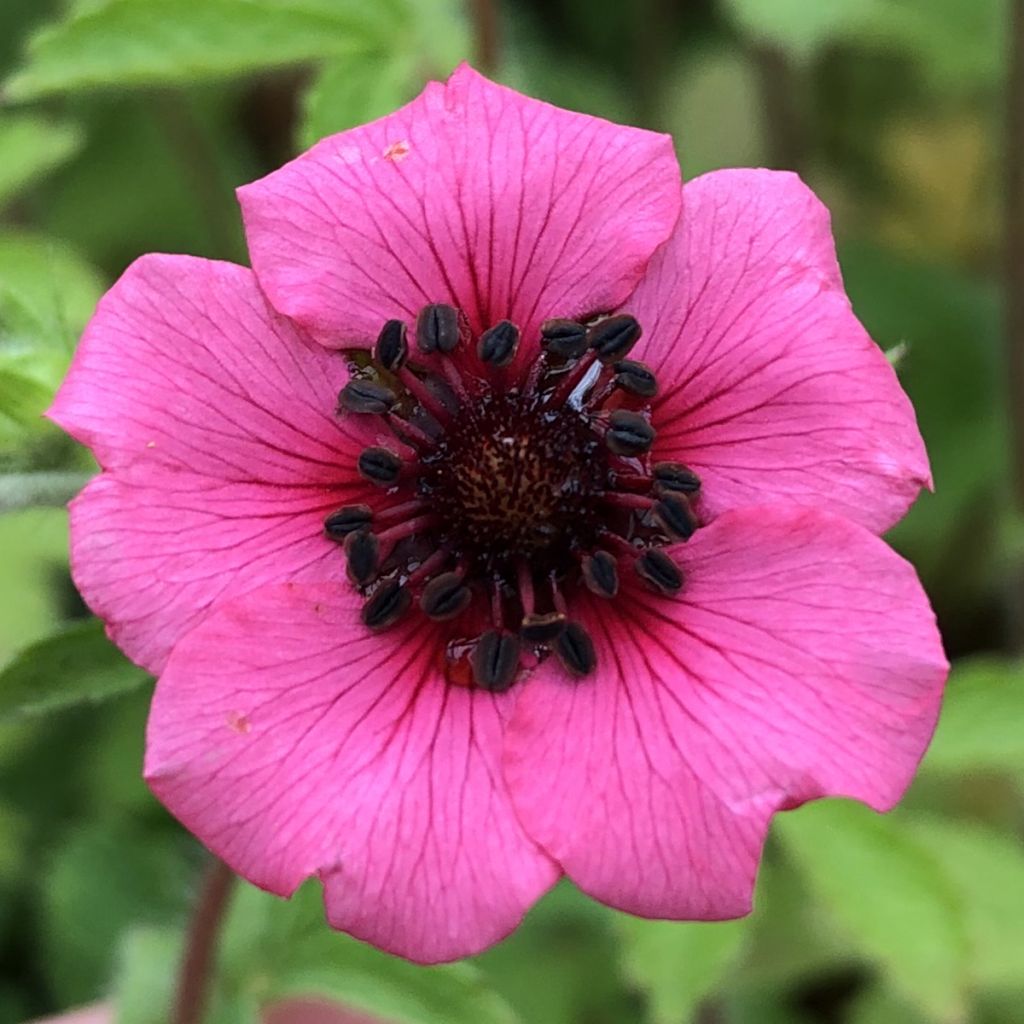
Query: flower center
[525, 485]
[512, 479]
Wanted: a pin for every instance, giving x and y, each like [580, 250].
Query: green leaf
[980, 724]
[677, 964]
[46, 290]
[162, 42]
[29, 147]
[274, 948]
[987, 870]
[878, 1005]
[426, 43]
[102, 882]
[799, 27]
[353, 92]
[74, 666]
[145, 975]
[889, 894]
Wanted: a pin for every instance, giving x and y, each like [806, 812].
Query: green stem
[1014, 296]
[31, 490]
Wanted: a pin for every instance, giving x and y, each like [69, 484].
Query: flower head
[504, 522]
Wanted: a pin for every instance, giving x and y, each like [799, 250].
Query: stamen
[498, 344]
[542, 629]
[503, 486]
[659, 571]
[495, 660]
[601, 574]
[338, 525]
[614, 338]
[379, 466]
[362, 549]
[675, 514]
[674, 476]
[565, 339]
[575, 650]
[629, 433]
[388, 604]
[366, 397]
[392, 348]
[437, 329]
[445, 597]
[635, 378]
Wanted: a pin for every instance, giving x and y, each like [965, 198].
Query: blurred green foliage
[124, 127]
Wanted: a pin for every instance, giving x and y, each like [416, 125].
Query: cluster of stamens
[526, 483]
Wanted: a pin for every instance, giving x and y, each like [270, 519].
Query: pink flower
[613, 598]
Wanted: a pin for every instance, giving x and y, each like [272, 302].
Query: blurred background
[124, 127]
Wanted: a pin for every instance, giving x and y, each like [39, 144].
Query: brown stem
[199, 958]
[484, 16]
[785, 129]
[1014, 297]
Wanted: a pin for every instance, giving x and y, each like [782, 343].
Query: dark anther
[379, 466]
[601, 574]
[498, 344]
[628, 433]
[542, 629]
[658, 570]
[636, 378]
[495, 660]
[362, 550]
[445, 596]
[387, 606]
[437, 328]
[612, 339]
[563, 338]
[366, 396]
[673, 476]
[575, 650]
[676, 516]
[392, 347]
[338, 525]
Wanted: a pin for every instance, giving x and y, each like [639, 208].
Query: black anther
[612, 339]
[437, 328]
[442, 391]
[445, 596]
[366, 396]
[674, 476]
[563, 338]
[379, 466]
[392, 348]
[575, 650]
[495, 660]
[362, 549]
[498, 344]
[675, 514]
[601, 574]
[338, 525]
[390, 602]
[542, 629]
[629, 433]
[659, 571]
[636, 378]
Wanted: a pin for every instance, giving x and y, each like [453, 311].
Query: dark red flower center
[527, 483]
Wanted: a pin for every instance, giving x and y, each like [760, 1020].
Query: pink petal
[152, 555]
[770, 387]
[214, 418]
[185, 366]
[473, 195]
[293, 741]
[800, 660]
